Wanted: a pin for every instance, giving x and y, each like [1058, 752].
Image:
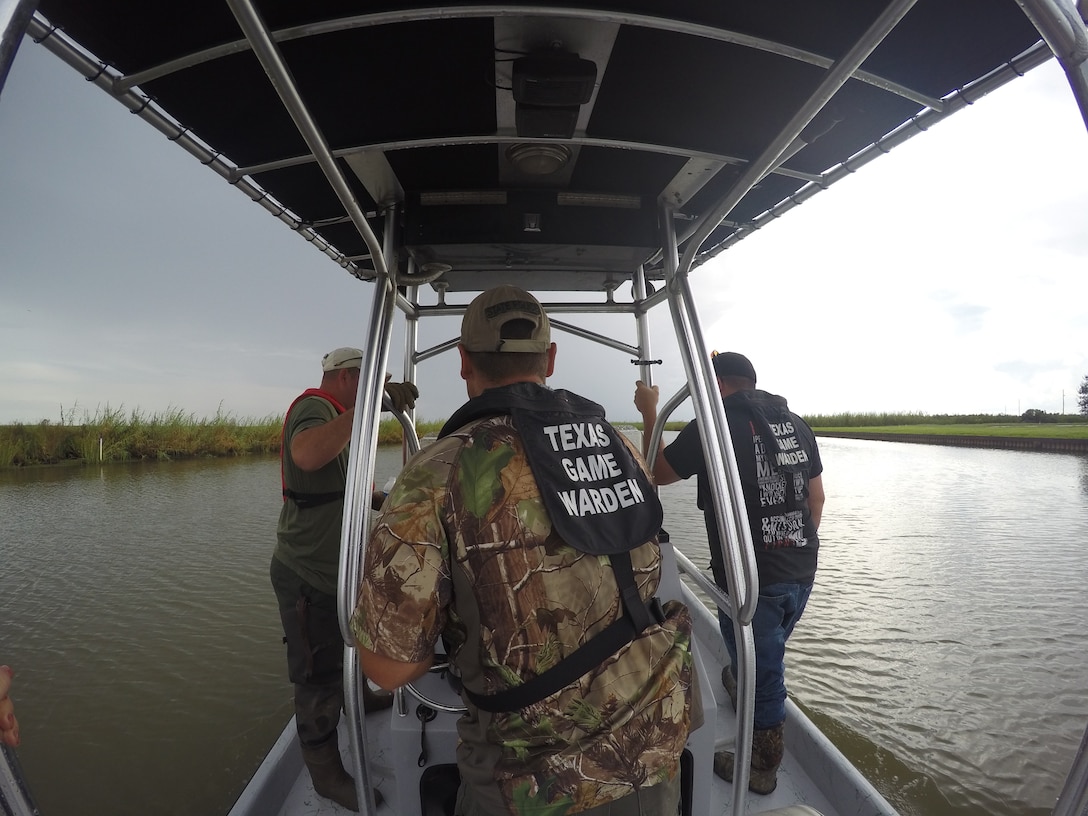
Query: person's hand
[403, 395]
[645, 398]
[9, 726]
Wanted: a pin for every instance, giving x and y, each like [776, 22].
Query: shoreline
[53, 446]
[1045, 444]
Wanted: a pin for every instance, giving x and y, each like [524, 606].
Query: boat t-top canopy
[543, 141]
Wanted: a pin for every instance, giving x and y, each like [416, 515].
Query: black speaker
[558, 79]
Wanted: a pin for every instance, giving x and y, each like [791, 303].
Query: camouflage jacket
[464, 549]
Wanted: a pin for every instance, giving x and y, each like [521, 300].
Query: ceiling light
[539, 159]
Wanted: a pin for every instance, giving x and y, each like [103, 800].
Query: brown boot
[328, 774]
[730, 683]
[767, 750]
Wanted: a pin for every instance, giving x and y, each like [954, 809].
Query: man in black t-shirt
[780, 469]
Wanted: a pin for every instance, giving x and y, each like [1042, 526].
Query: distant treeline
[883, 420]
[114, 435]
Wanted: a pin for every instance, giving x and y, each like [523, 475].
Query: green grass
[1067, 426]
[1027, 430]
[637, 426]
[114, 435]
[1040, 425]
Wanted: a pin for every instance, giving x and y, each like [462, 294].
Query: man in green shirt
[314, 460]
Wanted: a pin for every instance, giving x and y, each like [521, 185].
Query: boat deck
[813, 774]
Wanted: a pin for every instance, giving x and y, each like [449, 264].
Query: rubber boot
[730, 683]
[767, 750]
[328, 774]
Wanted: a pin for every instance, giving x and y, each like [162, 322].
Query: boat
[597, 154]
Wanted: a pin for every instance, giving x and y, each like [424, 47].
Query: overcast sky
[950, 276]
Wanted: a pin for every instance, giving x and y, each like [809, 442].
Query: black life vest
[306, 500]
[599, 500]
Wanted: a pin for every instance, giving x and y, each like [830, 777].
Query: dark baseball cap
[732, 364]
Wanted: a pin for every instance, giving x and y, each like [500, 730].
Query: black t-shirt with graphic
[776, 456]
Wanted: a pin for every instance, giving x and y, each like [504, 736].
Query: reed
[114, 435]
[1031, 423]
[391, 433]
[851, 420]
[1012, 430]
[117, 435]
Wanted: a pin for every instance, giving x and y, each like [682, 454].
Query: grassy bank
[1039, 425]
[1059, 426]
[113, 435]
[1025, 431]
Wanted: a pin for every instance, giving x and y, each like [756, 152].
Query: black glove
[403, 394]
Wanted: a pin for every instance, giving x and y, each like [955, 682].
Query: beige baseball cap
[345, 357]
[481, 329]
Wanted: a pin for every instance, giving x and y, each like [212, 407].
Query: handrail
[835, 77]
[1062, 25]
[15, 798]
[746, 686]
[411, 435]
[401, 700]
[356, 520]
[742, 628]
[1073, 800]
[268, 53]
[15, 16]
[721, 598]
[717, 444]
[357, 508]
[724, 482]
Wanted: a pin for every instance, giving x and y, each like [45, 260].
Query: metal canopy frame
[718, 196]
[715, 208]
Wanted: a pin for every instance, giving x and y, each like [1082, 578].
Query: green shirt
[308, 541]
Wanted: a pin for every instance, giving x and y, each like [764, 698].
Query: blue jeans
[779, 608]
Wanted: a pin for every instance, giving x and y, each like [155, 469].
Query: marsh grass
[849, 420]
[117, 435]
[1028, 430]
[1032, 424]
[114, 435]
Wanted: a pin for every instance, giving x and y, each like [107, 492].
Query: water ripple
[943, 650]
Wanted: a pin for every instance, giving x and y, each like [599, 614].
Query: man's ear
[466, 363]
[551, 359]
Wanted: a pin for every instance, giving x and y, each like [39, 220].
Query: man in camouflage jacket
[482, 543]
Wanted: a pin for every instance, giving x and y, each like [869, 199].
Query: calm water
[944, 649]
